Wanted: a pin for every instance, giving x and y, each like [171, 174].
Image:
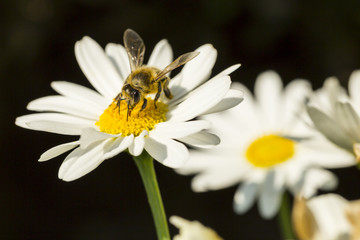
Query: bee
[144, 80]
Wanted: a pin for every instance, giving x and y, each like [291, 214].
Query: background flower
[266, 145]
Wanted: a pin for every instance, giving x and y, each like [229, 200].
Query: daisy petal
[118, 145]
[161, 56]
[118, 55]
[97, 67]
[315, 179]
[82, 161]
[54, 122]
[91, 135]
[201, 100]
[354, 86]
[245, 196]
[179, 129]
[228, 70]
[80, 93]
[66, 105]
[137, 145]
[270, 195]
[268, 87]
[167, 151]
[194, 72]
[348, 120]
[231, 99]
[329, 128]
[201, 139]
[57, 150]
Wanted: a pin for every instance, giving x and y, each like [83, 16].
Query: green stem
[284, 218]
[145, 164]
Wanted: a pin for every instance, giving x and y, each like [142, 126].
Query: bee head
[131, 95]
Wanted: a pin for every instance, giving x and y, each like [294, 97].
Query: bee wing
[135, 48]
[177, 63]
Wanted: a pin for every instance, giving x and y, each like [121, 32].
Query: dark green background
[298, 39]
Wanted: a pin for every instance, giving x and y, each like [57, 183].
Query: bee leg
[117, 100]
[167, 90]
[143, 106]
[128, 111]
[158, 93]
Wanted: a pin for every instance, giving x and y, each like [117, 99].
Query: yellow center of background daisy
[113, 121]
[270, 150]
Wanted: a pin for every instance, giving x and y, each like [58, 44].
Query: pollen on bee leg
[119, 121]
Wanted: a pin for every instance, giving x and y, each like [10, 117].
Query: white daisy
[192, 230]
[336, 114]
[328, 216]
[266, 145]
[105, 131]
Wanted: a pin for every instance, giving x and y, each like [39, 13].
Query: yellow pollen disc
[113, 122]
[270, 150]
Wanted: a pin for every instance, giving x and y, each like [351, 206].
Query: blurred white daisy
[267, 146]
[336, 114]
[192, 230]
[105, 131]
[328, 216]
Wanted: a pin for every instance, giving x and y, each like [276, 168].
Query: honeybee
[144, 80]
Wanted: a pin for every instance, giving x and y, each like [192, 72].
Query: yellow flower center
[115, 120]
[270, 150]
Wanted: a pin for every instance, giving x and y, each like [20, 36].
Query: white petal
[271, 195]
[80, 93]
[201, 100]
[201, 139]
[354, 87]
[316, 179]
[228, 70]
[348, 120]
[245, 196]
[118, 145]
[66, 105]
[332, 224]
[231, 99]
[54, 122]
[137, 145]
[268, 92]
[118, 55]
[161, 56]
[82, 161]
[97, 67]
[57, 150]
[194, 72]
[167, 151]
[179, 129]
[91, 135]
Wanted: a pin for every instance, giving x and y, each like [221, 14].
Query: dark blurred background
[298, 39]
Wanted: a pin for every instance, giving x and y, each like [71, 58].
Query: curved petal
[204, 98]
[179, 129]
[118, 55]
[354, 87]
[194, 72]
[54, 123]
[167, 151]
[270, 195]
[137, 145]
[57, 150]
[91, 135]
[201, 139]
[82, 161]
[231, 99]
[97, 67]
[227, 71]
[245, 196]
[268, 92]
[118, 145]
[80, 93]
[66, 105]
[316, 179]
[161, 56]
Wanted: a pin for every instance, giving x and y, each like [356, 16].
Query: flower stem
[145, 164]
[284, 218]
